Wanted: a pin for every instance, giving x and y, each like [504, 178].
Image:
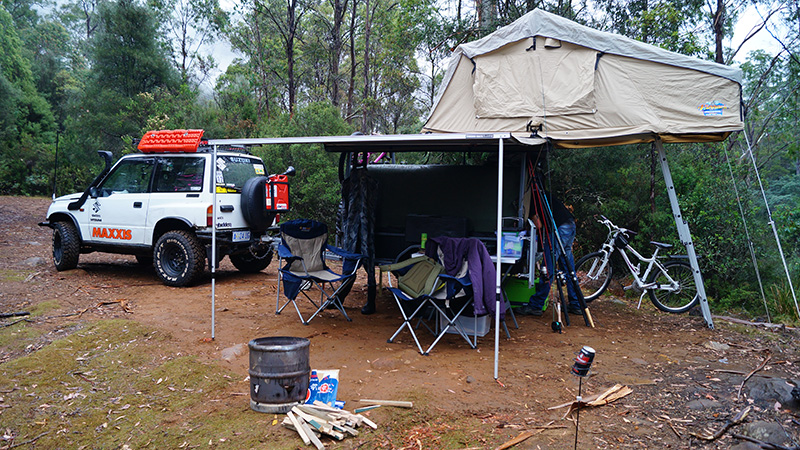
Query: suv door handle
[226, 208]
[137, 204]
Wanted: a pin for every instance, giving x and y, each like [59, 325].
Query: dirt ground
[672, 363]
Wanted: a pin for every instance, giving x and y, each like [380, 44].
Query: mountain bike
[669, 282]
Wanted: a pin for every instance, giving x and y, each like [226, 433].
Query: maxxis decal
[111, 233]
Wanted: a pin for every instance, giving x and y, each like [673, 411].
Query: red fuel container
[278, 193]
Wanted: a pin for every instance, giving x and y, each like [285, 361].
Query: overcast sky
[748, 19]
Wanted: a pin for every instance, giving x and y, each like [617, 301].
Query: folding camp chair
[304, 246]
[428, 297]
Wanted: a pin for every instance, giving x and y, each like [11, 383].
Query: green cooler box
[518, 291]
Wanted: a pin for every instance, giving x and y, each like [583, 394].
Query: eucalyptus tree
[81, 17]
[190, 26]
[390, 33]
[325, 50]
[268, 34]
[286, 18]
[27, 128]
[126, 60]
[262, 65]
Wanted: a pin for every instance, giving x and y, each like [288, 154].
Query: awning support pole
[213, 240]
[684, 234]
[498, 266]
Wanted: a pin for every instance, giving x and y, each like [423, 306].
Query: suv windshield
[233, 171]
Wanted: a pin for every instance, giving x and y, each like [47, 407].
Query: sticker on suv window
[259, 169]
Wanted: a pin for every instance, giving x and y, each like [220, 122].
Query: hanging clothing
[358, 222]
[481, 268]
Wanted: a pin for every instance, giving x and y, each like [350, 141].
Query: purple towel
[481, 269]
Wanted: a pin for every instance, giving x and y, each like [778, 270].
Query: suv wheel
[179, 258]
[66, 246]
[247, 263]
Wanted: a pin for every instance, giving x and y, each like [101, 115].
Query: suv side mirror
[93, 192]
[289, 171]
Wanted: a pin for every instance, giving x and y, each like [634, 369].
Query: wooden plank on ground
[398, 403]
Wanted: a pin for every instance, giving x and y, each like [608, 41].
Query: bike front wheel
[594, 275]
[676, 291]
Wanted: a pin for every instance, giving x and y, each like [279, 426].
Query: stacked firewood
[313, 421]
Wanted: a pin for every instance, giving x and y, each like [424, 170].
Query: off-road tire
[179, 258]
[66, 246]
[254, 204]
[247, 263]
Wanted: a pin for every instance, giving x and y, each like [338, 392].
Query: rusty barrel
[279, 373]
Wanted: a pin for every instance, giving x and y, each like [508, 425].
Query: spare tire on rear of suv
[254, 204]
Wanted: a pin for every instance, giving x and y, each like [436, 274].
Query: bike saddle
[661, 245]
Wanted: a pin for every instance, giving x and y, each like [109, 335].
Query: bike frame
[608, 249]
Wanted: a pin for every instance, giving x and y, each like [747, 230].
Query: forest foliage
[77, 76]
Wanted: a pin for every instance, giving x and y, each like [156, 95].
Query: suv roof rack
[205, 148]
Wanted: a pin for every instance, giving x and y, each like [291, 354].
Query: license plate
[240, 236]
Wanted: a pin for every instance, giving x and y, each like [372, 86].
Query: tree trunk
[339, 8]
[184, 52]
[719, 30]
[433, 78]
[487, 10]
[89, 7]
[365, 115]
[351, 87]
[291, 32]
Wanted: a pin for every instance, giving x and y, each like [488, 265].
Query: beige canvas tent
[582, 87]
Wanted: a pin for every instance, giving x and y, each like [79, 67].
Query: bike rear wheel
[593, 276]
[673, 298]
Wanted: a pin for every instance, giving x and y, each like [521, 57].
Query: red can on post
[583, 361]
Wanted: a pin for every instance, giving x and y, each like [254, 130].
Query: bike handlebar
[615, 229]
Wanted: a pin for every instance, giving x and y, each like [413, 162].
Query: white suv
[158, 205]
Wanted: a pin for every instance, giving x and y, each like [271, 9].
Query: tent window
[511, 82]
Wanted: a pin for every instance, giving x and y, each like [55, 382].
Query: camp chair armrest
[344, 254]
[285, 253]
[464, 281]
[410, 250]
[350, 261]
[455, 284]
[402, 264]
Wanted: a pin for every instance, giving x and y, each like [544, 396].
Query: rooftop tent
[584, 88]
